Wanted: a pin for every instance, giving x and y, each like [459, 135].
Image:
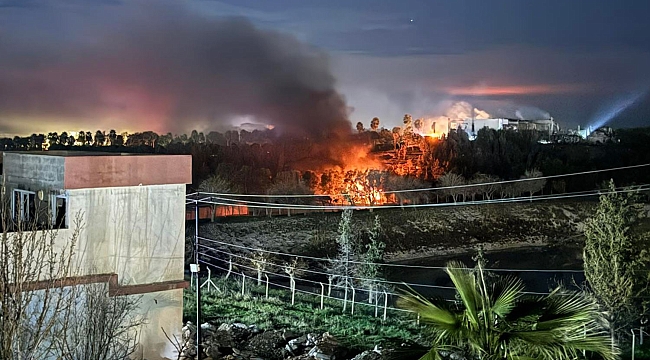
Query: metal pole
[633, 341]
[243, 283]
[385, 304]
[322, 295]
[353, 293]
[266, 292]
[197, 278]
[376, 303]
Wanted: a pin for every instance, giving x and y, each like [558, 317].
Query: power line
[282, 206]
[248, 203]
[379, 264]
[444, 187]
[328, 274]
[354, 278]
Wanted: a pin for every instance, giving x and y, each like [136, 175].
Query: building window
[23, 205]
[59, 211]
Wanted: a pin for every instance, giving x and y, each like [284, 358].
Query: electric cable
[382, 264]
[282, 206]
[587, 172]
[351, 277]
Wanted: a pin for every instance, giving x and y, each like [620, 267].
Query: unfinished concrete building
[132, 236]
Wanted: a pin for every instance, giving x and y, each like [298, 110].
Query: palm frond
[465, 282]
[435, 314]
[504, 295]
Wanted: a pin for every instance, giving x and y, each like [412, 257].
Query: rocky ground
[239, 341]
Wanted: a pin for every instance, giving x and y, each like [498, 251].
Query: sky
[308, 65]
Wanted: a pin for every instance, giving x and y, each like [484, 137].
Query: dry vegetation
[449, 228]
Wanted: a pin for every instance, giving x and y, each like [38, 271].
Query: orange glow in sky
[539, 89]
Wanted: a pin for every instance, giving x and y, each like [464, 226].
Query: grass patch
[360, 331]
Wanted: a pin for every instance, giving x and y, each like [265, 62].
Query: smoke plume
[462, 110]
[159, 66]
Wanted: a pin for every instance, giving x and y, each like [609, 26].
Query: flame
[353, 187]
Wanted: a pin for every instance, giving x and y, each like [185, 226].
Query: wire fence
[323, 295]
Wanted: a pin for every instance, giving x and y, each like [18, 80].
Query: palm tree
[493, 319]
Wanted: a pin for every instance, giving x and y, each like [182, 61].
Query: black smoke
[159, 66]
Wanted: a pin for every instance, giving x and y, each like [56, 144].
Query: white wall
[138, 233]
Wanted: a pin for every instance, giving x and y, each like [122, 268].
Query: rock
[254, 329]
[268, 345]
[312, 339]
[188, 332]
[317, 353]
[289, 334]
[238, 331]
[367, 355]
[300, 340]
[208, 327]
[327, 349]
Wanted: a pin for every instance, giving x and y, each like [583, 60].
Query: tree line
[253, 160]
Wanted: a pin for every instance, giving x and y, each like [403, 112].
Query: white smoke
[462, 110]
[518, 115]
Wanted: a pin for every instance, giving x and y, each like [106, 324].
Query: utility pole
[196, 270]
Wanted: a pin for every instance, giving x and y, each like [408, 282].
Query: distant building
[601, 136]
[471, 126]
[132, 209]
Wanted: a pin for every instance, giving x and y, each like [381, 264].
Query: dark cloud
[157, 65]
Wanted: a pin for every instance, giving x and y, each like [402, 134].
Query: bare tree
[215, 184]
[100, 327]
[289, 183]
[489, 187]
[449, 181]
[34, 267]
[261, 261]
[532, 186]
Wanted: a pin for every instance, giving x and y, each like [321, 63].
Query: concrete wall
[83, 172]
[33, 172]
[138, 233]
[134, 231]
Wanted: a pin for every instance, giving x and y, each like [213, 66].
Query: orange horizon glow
[539, 89]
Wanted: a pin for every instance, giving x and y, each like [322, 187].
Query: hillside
[412, 233]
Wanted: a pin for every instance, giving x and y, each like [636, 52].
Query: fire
[353, 187]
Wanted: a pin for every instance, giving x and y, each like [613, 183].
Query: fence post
[243, 283]
[385, 304]
[641, 335]
[229, 268]
[329, 286]
[267, 286]
[293, 290]
[353, 293]
[322, 295]
[633, 341]
[376, 303]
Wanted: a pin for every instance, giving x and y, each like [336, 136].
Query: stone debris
[238, 341]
